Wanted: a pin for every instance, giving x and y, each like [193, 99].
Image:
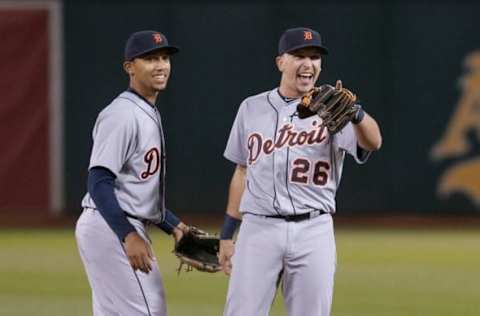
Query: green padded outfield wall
[415, 67]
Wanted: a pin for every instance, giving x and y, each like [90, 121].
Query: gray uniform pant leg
[305, 250]
[116, 289]
[310, 268]
[256, 264]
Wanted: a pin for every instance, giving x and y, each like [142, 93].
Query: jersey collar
[284, 98]
[130, 89]
[278, 101]
[141, 102]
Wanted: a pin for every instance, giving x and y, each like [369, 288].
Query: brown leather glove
[335, 106]
[198, 249]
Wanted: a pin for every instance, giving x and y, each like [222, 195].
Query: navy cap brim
[323, 50]
[171, 50]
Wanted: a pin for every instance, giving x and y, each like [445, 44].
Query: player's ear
[279, 60]
[128, 67]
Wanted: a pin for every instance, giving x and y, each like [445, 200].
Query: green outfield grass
[380, 272]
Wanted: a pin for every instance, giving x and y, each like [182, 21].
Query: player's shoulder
[260, 97]
[119, 107]
[256, 100]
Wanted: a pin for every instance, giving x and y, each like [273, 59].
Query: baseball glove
[335, 106]
[198, 249]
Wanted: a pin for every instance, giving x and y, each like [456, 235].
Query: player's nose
[307, 61]
[161, 63]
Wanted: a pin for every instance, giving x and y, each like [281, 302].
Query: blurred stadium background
[407, 222]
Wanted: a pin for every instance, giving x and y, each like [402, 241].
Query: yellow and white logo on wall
[463, 176]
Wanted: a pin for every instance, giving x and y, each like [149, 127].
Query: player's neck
[285, 95]
[149, 97]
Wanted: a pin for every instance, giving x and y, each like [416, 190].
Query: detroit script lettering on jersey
[287, 136]
[152, 158]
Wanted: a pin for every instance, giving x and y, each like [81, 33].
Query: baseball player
[283, 190]
[126, 188]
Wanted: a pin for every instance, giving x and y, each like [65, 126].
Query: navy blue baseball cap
[143, 42]
[300, 37]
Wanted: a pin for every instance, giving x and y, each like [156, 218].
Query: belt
[143, 220]
[296, 217]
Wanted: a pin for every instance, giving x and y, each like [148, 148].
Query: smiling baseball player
[126, 188]
[283, 189]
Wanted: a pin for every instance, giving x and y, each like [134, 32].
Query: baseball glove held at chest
[198, 249]
[335, 106]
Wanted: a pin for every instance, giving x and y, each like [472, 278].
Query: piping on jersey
[139, 283]
[287, 171]
[275, 199]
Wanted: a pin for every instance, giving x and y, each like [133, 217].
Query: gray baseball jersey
[128, 140]
[294, 165]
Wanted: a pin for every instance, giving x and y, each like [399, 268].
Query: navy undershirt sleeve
[171, 221]
[101, 188]
[362, 153]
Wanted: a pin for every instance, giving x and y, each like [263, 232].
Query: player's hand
[138, 252]
[179, 231]
[225, 255]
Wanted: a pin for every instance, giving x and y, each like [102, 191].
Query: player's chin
[303, 89]
[160, 86]
[304, 85]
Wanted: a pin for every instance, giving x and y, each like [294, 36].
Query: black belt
[297, 217]
[143, 220]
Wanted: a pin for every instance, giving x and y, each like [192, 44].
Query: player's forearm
[233, 216]
[368, 133]
[237, 186]
[101, 189]
[170, 222]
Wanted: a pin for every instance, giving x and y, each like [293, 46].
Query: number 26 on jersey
[304, 171]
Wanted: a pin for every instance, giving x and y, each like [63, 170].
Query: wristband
[169, 223]
[359, 115]
[229, 227]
